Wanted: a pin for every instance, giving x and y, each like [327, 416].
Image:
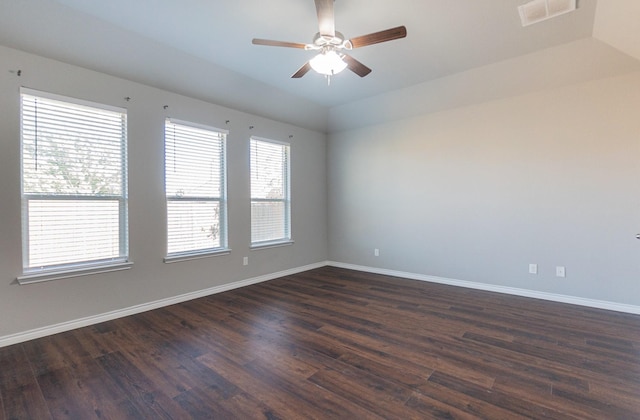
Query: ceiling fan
[331, 45]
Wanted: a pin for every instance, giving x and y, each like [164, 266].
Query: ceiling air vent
[538, 10]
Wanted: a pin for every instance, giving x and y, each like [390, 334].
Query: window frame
[34, 274]
[222, 200]
[287, 239]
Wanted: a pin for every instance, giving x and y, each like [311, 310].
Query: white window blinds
[195, 185]
[74, 182]
[270, 192]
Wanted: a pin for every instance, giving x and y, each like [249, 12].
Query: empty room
[319, 209]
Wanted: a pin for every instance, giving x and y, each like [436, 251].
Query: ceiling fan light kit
[330, 43]
[540, 10]
[328, 63]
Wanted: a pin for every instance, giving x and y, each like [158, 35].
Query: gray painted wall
[478, 193]
[471, 193]
[24, 308]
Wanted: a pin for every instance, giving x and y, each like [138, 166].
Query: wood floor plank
[64, 396]
[2, 415]
[56, 352]
[101, 393]
[599, 407]
[512, 402]
[412, 376]
[95, 343]
[626, 398]
[371, 392]
[171, 371]
[25, 402]
[244, 406]
[203, 404]
[21, 395]
[310, 399]
[143, 394]
[574, 358]
[286, 400]
[432, 408]
[335, 343]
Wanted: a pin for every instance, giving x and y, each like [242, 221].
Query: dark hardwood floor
[334, 343]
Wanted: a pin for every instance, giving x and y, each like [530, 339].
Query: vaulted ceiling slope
[457, 51]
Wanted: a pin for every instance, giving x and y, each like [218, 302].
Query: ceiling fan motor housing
[336, 41]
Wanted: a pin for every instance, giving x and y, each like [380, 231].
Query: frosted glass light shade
[328, 63]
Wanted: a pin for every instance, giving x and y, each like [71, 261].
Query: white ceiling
[202, 48]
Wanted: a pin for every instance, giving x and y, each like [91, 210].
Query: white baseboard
[132, 310]
[592, 303]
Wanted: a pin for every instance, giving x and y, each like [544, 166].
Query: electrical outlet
[533, 268]
[376, 252]
[245, 260]
[561, 272]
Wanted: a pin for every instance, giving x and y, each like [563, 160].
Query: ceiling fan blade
[326, 20]
[302, 71]
[271, 43]
[356, 66]
[377, 37]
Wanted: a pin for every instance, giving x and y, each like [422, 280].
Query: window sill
[42, 276]
[170, 259]
[273, 244]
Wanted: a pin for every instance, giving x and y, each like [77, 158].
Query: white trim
[69, 99]
[270, 244]
[266, 140]
[136, 309]
[174, 258]
[39, 276]
[197, 125]
[573, 300]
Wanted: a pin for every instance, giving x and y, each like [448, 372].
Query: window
[195, 186]
[74, 184]
[270, 193]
